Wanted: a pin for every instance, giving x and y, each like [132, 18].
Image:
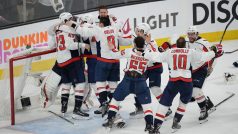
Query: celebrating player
[180, 60]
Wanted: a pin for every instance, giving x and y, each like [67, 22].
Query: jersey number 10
[179, 61]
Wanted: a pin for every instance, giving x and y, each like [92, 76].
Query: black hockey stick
[222, 101]
[233, 18]
[231, 51]
[67, 120]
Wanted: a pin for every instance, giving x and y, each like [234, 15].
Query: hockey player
[200, 71]
[91, 55]
[70, 62]
[154, 69]
[180, 60]
[134, 82]
[107, 67]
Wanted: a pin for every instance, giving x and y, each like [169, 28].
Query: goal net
[20, 82]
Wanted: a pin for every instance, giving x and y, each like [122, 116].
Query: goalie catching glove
[217, 50]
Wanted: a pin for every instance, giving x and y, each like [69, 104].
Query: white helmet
[192, 29]
[143, 27]
[65, 16]
[88, 18]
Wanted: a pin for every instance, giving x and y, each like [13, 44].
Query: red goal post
[11, 76]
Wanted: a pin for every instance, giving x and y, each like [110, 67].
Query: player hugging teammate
[75, 38]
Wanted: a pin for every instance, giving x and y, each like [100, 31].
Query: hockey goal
[21, 79]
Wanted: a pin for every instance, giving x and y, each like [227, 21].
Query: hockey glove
[217, 50]
[165, 46]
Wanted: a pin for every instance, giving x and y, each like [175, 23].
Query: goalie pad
[49, 89]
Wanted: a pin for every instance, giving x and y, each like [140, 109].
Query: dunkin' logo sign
[9, 46]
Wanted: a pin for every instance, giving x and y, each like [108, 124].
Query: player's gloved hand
[165, 46]
[217, 50]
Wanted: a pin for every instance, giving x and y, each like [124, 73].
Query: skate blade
[174, 130]
[107, 130]
[203, 121]
[78, 117]
[212, 110]
[120, 125]
[138, 116]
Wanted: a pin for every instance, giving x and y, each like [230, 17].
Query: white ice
[223, 120]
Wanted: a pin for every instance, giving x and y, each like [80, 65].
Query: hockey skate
[149, 128]
[79, 114]
[137, 114]
[209, 105]
[156, 129]
[108, 124]
[203, 115]
[64, 107]
[115, 122]
[176, 126]
[98, 111]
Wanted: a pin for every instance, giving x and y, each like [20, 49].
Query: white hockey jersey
[67, 46]
[180, 61]
[102, 36]
[153, 47]
[200, 45]
[134, 61]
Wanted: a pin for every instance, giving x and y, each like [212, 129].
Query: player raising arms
[180, 60]
[201, 70]
[134, 82]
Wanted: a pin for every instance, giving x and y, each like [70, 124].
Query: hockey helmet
[65, 16]
[88, 18]
[143, 28]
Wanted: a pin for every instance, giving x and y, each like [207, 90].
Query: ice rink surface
[223, 120]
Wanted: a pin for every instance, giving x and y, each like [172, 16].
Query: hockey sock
[202, 104]
[178, 117]
[160, 115]
[148, 113]
[103, 97]
[113, 108]
[78, 102]
[64, 98]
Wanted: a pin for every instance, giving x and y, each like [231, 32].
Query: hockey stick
[67, 120]
[233, 18]
[231, 51]
[222, 101]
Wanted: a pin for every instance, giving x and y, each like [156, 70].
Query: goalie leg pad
[49, 89]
